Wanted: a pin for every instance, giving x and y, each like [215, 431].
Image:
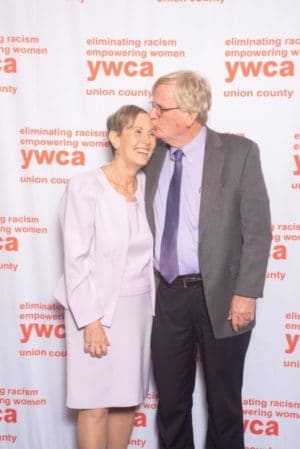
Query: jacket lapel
[211, 179]
[152, 176]
[114, 205]
[212, 170]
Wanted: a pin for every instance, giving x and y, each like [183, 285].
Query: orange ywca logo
[8, 65]
[9, 243]
[117, 68]
[297, 164]
[41, 331]
[255, 69]
[48, 157]
[259, 427]
[140, 419]
[8, 415]
[292, 341]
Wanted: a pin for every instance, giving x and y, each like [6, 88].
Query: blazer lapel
[115, 208]
[211, 179]
[152, 176]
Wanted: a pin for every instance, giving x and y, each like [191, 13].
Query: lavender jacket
[96, 237]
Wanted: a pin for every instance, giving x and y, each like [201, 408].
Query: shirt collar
[191, 149]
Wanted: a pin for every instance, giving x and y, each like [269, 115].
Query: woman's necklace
[128, 190]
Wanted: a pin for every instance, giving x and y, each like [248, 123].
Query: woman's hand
[95, 339]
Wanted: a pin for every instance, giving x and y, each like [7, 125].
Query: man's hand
[242, 312]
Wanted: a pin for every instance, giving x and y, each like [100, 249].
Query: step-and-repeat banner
[65, 65]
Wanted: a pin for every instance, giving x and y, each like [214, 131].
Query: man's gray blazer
[234, 226]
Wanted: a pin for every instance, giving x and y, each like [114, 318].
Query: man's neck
[181, 140]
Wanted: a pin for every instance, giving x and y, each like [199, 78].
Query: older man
[208, 208]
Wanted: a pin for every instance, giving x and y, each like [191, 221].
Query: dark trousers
[182, 325]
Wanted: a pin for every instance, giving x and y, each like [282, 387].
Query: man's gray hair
[192, 93]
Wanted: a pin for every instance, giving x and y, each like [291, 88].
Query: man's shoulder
[230, 142]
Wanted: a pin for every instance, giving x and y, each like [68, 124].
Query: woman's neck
[123, 180]
[120, 173]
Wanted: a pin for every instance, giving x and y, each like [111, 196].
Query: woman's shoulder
[87, 182]
[86, 178]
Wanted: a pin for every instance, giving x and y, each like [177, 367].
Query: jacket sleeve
[77, 219]
[255, 227]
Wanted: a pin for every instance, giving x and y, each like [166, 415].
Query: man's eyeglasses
[159, 110]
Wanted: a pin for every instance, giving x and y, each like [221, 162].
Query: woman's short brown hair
[123, 117]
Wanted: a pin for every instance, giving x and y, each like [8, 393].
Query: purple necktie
[169, 268]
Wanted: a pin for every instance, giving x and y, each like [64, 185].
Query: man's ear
[113, 137]
[190, 118]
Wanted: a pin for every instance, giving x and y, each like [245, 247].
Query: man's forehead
[165, 90]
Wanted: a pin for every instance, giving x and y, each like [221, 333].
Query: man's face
[171, 126]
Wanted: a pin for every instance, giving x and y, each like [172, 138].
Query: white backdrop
[64, 66]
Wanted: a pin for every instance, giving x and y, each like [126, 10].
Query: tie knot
[177, 155]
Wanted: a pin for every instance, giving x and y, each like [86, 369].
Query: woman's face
[136, 142]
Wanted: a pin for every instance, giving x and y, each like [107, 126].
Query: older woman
[108, 286]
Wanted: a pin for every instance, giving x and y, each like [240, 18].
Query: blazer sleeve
[77, 219]
[255, 227]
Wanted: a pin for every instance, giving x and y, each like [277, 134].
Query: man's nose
[152, 113]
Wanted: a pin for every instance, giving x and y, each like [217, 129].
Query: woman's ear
[114, 139]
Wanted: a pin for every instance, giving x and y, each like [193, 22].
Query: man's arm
[256, 234]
